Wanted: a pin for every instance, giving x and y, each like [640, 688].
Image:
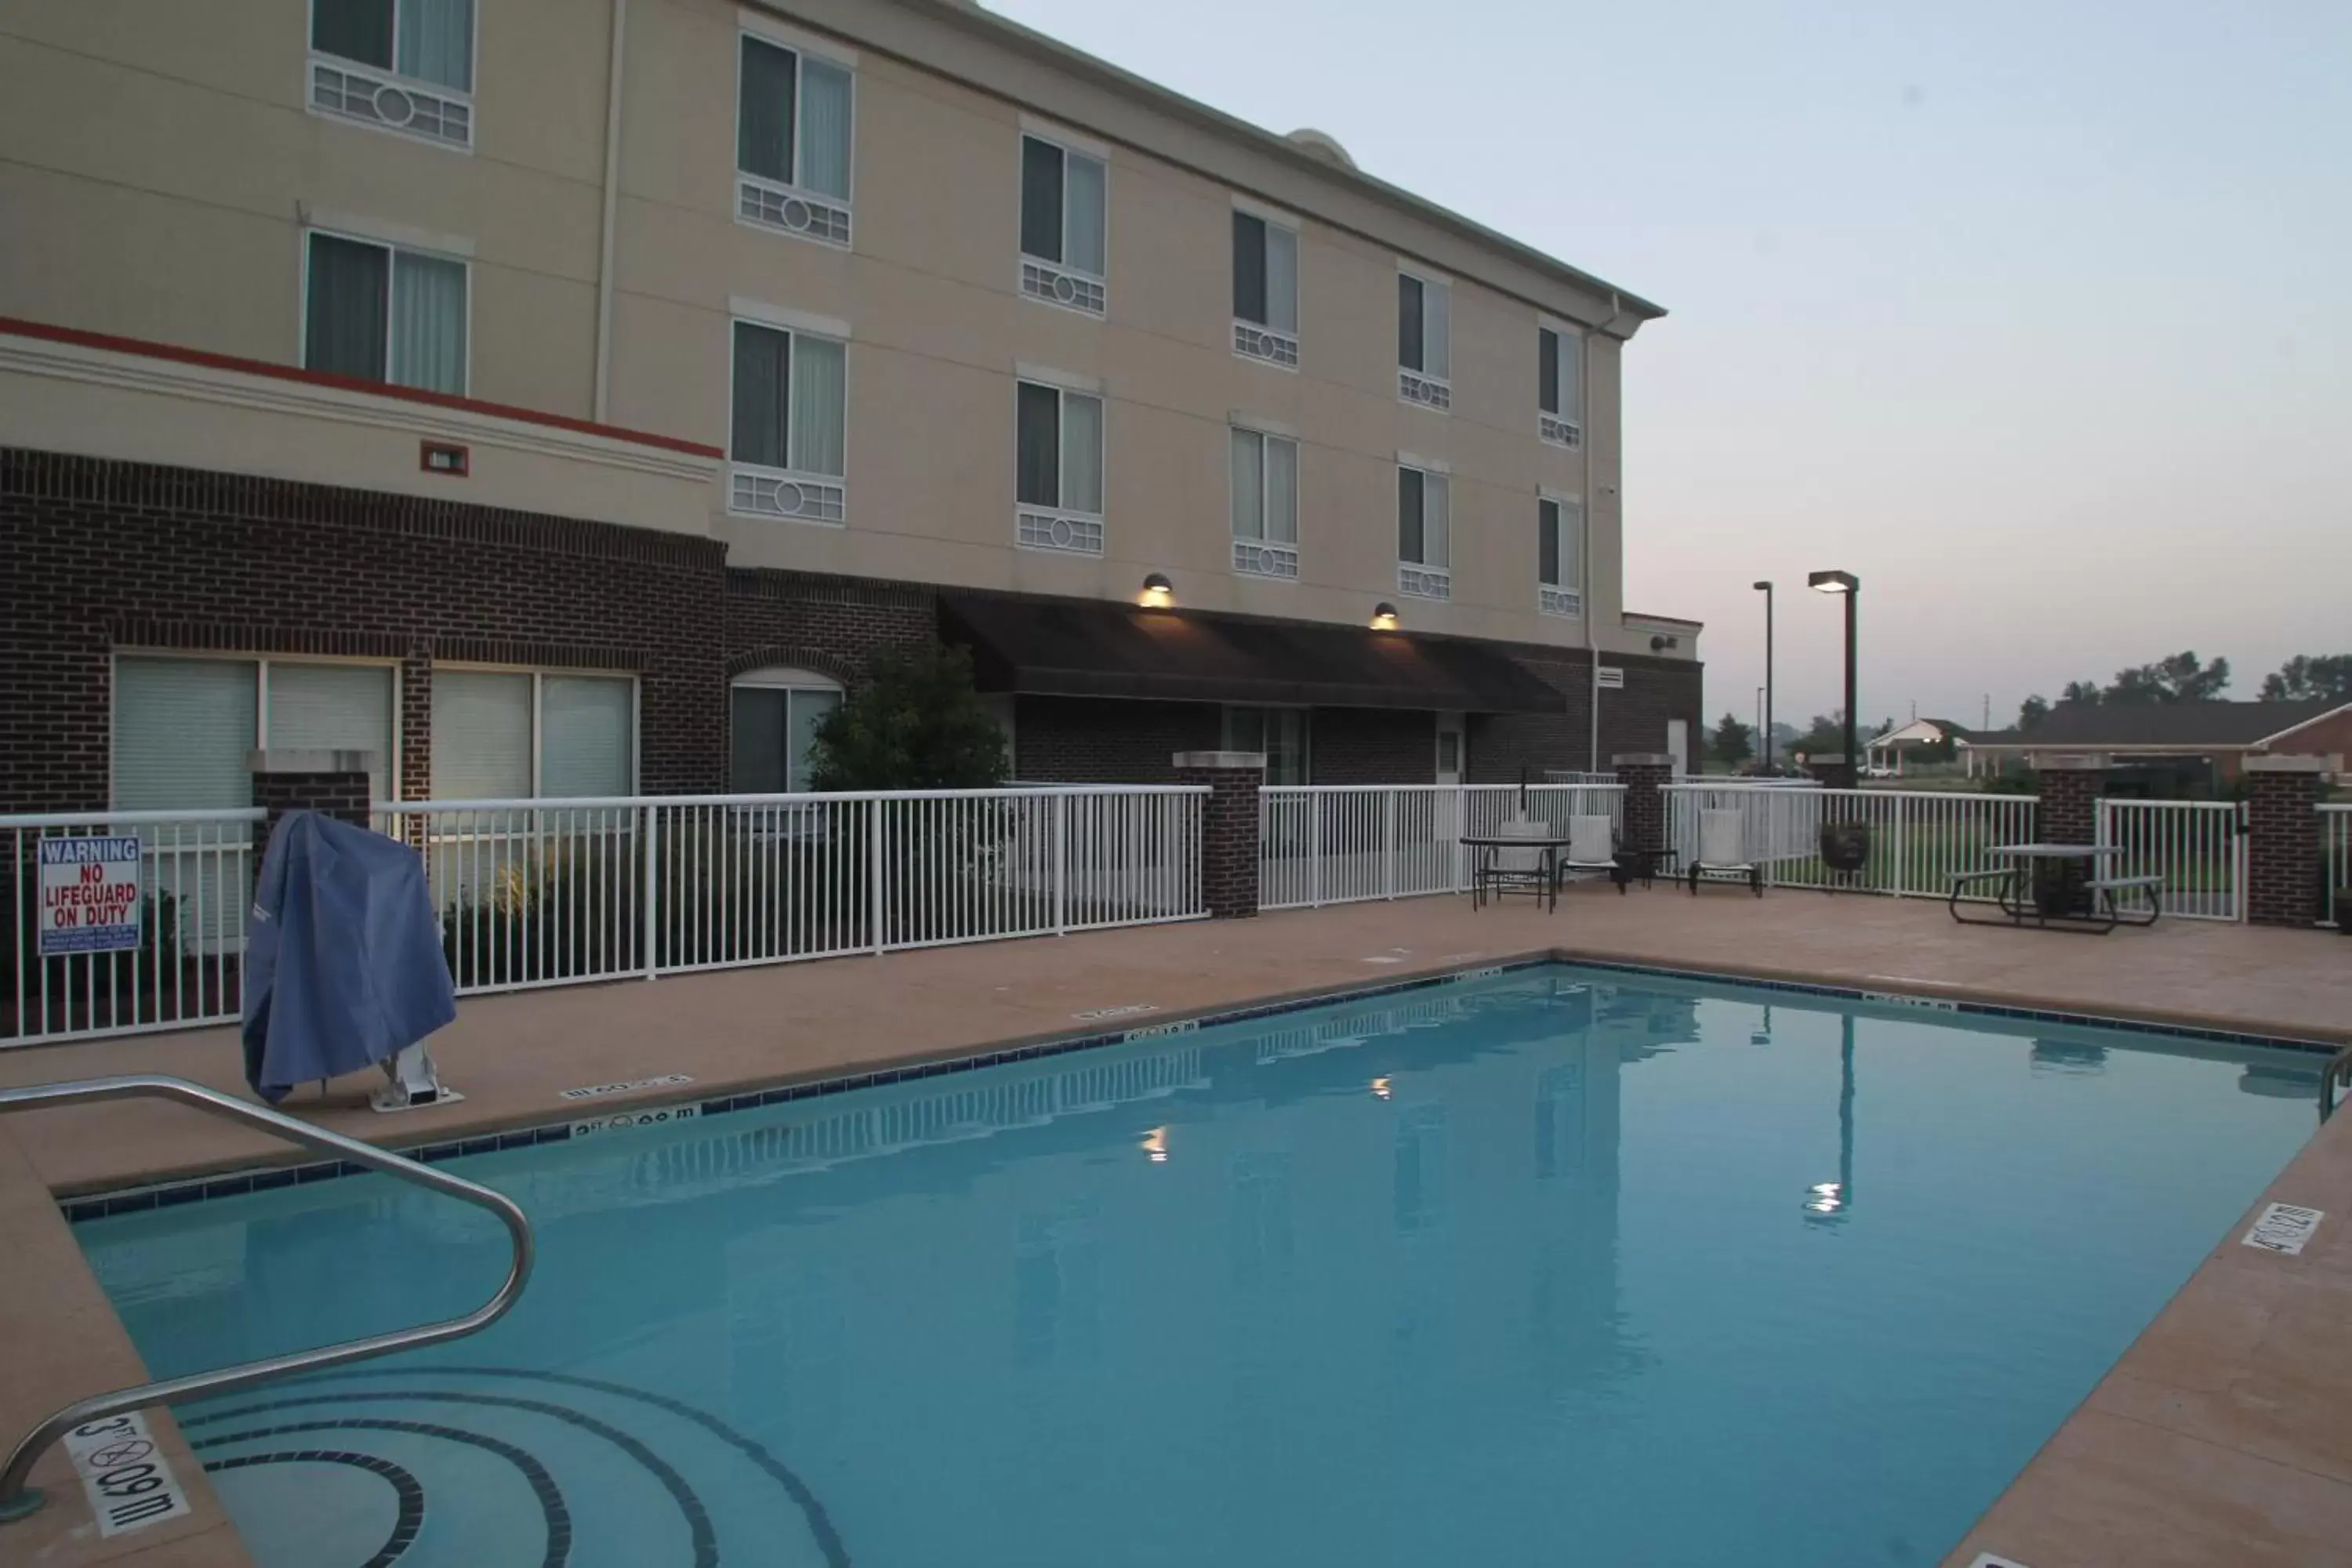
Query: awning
[1078, 648]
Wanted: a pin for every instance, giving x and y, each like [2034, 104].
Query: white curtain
[1571, 378]
[481, 735]
[1434, 517]
[1436, 327]
[1082, 454]
[583, 735]
[1281, 279]
[820, 411]
[1571, 546]
[429, 322]
[437, 42]
[825, 127]
[181, 729]
[1281, 490]
[1249, 485]
[332, 708]
[1083, 244]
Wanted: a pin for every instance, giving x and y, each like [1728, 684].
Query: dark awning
[1078, 648]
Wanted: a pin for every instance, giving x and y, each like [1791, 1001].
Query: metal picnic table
[2058, 887]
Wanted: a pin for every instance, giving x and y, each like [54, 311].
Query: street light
[1765, 589]
[1847, 583]
[1827, 1202]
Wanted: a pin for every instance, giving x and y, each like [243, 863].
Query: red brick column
[1643, 774]
[2283, 846]
[1229, 827]
[335, 782]
[2071, 787]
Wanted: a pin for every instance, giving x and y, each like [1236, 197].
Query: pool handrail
[2337, 1074]
[19, 1501]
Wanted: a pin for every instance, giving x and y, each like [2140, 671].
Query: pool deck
[2223, 1436]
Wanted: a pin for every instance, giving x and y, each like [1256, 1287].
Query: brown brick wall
[1645, 806]
[1632, 720]
[1229, 838]
[1372, 746]
[343, 797]
[2283, 850]
[2069, 812]
[1098, 740]
[831, 625]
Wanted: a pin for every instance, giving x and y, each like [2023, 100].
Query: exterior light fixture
[1381, 1088]
[1385, 616]
[1765, 589]
[1847, 583]
[1155, 1145]
[1158, 593]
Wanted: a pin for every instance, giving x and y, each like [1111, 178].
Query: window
[1265, 505]
[1266, 290]
[789, 433]
[1279, 732]
[502, 734]
[1559, 386]
[182, 727]
[420, 61]
[1423, 522]
[792, 125]
[775, 715]
[1424, 352]
[1560, 556]
[1062, 217]
[1057, 468]
[378, 312]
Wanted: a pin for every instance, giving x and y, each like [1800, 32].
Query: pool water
[1560, 1266]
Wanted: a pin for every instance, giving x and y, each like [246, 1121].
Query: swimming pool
[1560, 1265]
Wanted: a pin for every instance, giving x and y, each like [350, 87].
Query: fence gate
[2197, 847]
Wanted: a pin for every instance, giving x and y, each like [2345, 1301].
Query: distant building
[2216, 735]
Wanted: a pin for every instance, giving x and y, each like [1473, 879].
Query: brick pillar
[2070, 788]
[1643, 774]
[1228, 828]
[2283, 850]
[333, 782]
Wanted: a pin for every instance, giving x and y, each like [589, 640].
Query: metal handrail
[17, 1502]
[2337, 1074]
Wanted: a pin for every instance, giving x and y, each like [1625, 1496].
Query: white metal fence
[2197, 847]
[2335, 857]
[1919, 841]
[195, 883]
[1337, 844]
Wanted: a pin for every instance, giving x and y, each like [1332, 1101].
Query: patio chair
[1514, 870]
[1592, 851]
[1723, 853]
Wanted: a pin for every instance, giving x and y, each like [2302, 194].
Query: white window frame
[262, 661]
[783, 194]
[1555, 427]
[1059, 283]
[1426, 579]
[538, 673]
[1261, 342]
[1263, 556]
[393, 249]
[823, 498]
[1060, 530]
[1306, 732]
[315, 60]
[1422, 388]
[1562, 599]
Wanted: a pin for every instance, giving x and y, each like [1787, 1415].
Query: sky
[2037, 318]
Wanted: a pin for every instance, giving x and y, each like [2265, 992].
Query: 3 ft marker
[90, 895]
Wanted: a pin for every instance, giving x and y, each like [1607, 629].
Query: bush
[918, 723]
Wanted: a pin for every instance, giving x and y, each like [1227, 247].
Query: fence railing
[1337, 844]
[193, 883]
[1919, 841]
[2197, 847]
[2335, 857]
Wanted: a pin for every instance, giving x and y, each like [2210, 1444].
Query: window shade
[820, 395]
[1086, 206]
[1571, 547]
[1281, 490]
[1436, 519]
[181, 729]
[331, 708]
[1249, 485]
[1281, 279]
[1082, 453]
[343, 327]
[437, 42]
[1037, 458]
[825, 127]
[1571, 378]
[429, 322]
[1041, 199]
[763, 126]
[763, 360]
[481, 735]
[584, 735]
[1437, 331]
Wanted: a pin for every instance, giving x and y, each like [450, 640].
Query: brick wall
[1372, 746]
[1633, 720]
[2283, 850]
[1645, 806]
[833, 626]
[1229, 834]
[2069, 812]
[2326, 737]
[343, 797]
[1100, 740]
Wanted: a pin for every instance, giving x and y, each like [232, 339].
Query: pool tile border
[172, 1195]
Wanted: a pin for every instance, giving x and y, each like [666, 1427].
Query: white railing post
[653, 892]
[1387, 843]
[1315, 850]
[1061, 862]
[876, 893]
[2240, 843]
[1902, 888]
[1455, 859]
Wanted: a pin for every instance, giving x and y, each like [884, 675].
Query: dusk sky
[2038, 318]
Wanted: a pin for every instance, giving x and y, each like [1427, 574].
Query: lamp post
[1765, 589]
[1847, 583]
[1827, 1202]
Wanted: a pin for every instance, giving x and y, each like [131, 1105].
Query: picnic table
[2059, 887]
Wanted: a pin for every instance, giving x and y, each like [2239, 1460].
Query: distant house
[1904, 742]
[2219, 734]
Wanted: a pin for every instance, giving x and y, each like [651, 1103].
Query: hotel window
[1424, 522]
[1057, 468]
[382, 312]
[1424, 352]
[1265, 505]
[1279, 732]
[1559, 386]
[775, 714]
[1062, 206]
[402, 65]
[788, 433]
[792, 128]
[502, 734]
[1560, 556]
[1266, 290]
[182, 727]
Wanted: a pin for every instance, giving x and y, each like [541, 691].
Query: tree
[2307, 675]
[2032, 711]
[2083, 693]
[1733, 743]
[1825, 736]
[918, 724]
[2177, 678]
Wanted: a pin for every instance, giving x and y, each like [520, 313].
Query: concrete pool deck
[2223, 1436]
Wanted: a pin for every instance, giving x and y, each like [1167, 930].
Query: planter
[1845, 846]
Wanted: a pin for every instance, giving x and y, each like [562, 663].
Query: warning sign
[90, 895]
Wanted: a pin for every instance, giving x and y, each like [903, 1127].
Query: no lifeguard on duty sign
[90, 895]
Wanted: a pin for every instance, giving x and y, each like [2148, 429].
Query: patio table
[2058, 887]
[1485, 874]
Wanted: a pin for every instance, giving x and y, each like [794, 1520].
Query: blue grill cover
[344, 965]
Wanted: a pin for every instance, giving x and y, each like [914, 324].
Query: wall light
[1380, 1087]
[1385, 616]
[1158, 593]
[1155, 1145]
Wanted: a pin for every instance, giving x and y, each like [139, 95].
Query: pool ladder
[2337, 1074]
[19, 1501]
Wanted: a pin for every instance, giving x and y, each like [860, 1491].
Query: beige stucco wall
[168, 173]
